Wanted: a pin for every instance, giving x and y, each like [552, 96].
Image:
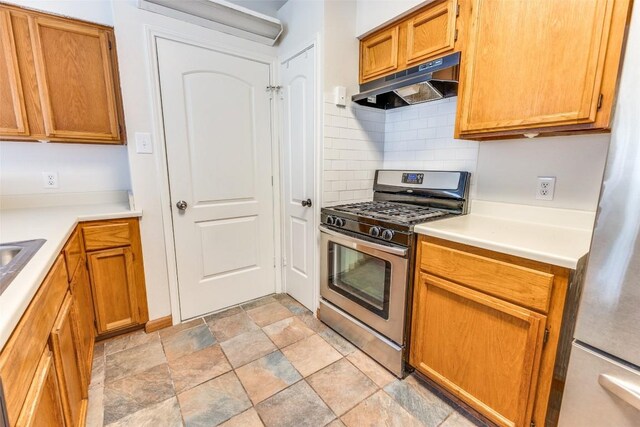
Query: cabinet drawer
[72, 253]
[510, 282]
[19, 359]
[106, 236]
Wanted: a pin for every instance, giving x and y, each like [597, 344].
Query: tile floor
[266, 363]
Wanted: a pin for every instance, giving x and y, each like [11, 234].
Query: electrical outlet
[546, 187]
[50, 179]
[143, 143]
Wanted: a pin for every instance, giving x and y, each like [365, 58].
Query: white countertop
[554, 236]
[55, 224]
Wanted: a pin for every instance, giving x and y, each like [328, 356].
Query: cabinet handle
[625, 390]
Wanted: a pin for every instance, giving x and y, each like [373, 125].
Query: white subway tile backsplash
[358, 140]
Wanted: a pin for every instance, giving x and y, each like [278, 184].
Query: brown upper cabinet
[58, 79]
[423, 35]
[540, 66]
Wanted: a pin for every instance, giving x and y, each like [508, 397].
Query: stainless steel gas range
[367, 257]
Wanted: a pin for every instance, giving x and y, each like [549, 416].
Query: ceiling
[267, 7]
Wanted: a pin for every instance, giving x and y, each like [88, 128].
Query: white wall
[303, 20]
[98, 11]
[507, 170]
[136, 68]
[80, 167]
[372, 14]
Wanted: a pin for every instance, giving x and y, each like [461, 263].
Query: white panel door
[299, 118]
[217, 126]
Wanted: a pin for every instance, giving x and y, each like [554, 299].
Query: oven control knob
[387, 234]
[375, 231]
[330, 220]
[339, 222]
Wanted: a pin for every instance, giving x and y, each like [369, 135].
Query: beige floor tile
[287, 331]
[172, 330]
[457, 420]
[213, 402]
[379, 410]
[134, 360]
[95, 409]
[420, 403]
[188, 341]
[165, 414]
[266, 376]
[371, 368]
[247, 347]
[198, 367]
[130, 340]
[232, 326]
[258, 302]
[294, 306]
[97, 372]
[248, 418]
[311, 354]
[269, 313]
[296, 406]
[223, 313]
[133, 393]
[342, 386]
[335, 423]
[312, 322]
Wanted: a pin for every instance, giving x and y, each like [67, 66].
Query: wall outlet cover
[50, 180]
[546, 186]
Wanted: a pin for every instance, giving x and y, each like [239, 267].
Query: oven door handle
[389, 249]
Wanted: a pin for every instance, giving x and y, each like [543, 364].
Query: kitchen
[349, 258]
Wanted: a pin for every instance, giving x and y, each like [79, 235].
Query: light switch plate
[143, 143]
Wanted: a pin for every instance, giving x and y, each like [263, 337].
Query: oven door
[367, 280]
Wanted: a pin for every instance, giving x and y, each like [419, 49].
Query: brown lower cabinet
[485, 327]
[65, 345]
[43, 406]
[46, 363]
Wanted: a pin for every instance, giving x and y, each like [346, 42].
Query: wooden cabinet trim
[105, 236]
[584, 114]
[99, 304]
[531, 361]
[22, 351]
[15, 83]
[374, 40]
[448, 7]
[73, 253]
[45, 373]
[521, 285]
[36, 22]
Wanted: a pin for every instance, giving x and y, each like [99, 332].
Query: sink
[8, 253]
[13, 257]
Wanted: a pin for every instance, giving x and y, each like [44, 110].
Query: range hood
[220, 15]
[426, 82]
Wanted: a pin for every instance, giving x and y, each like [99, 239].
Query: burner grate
[399, 212]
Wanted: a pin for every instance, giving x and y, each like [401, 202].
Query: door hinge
[600, 98]
[272, 181]
[457, 10]
[545, 337]
[284, 261]
[533, 424]
[109, 42]
[455, 36]
[274, 262]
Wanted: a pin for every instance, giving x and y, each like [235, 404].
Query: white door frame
[159, 147]
[318, 157]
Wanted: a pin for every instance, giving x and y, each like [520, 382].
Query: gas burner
[397, 212]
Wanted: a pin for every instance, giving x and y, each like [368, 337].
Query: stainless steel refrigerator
[603, 381]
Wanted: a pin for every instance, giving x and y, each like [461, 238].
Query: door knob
[306, 203]
[182, 205]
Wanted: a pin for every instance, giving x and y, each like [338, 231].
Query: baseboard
[157, 324]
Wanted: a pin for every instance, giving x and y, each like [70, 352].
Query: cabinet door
[379, 54]
[75, 79]
[13, 116]
[42, 406]
[482, 349]
[65, 343]
[533, 64]
[431, 32]
[114, 290]
[83, 302]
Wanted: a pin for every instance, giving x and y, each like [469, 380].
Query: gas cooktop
[400, 213]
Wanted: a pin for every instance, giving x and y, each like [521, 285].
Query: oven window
[360, 277]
